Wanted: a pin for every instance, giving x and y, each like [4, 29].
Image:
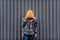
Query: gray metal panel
[46, 11]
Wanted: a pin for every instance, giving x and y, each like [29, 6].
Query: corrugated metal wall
[47, 12]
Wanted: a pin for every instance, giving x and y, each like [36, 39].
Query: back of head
[30, 15]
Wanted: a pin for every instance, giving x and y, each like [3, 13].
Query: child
[29, 26]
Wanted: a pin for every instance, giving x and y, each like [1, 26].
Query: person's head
[29, 16]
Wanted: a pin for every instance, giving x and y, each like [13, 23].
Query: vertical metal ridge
[39, 14]
[10, 21]
[54, 20]
[24, 8]
[5, 27]
[3, 20]
[17, 21]
[51, 20]
[0, 19]
[7, 20]
[44, 20]
[32, 5]
[58, 19]
[29, 4]
[47, 20]
[38, 17]
[20, 21]
[15, 3]
[12, 25]
[13, 18]
[7, 23]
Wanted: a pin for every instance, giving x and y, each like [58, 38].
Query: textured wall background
[47, 12]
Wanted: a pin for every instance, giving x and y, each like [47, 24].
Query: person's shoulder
[24, 20]
[35, 19]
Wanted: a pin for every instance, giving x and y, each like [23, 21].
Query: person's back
[29, 25]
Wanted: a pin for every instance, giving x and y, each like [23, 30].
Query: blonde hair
[29, 14]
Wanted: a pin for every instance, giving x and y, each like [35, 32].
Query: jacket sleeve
[23, 23]
[36, 24]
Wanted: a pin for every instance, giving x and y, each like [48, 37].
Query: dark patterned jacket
[29, 28]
